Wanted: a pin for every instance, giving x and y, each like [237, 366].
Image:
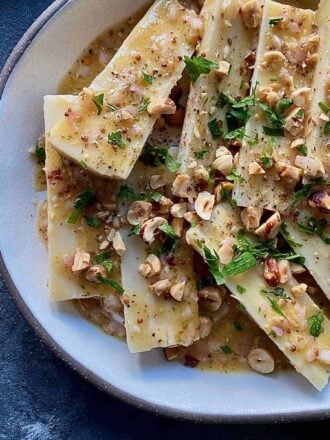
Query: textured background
[42, 399]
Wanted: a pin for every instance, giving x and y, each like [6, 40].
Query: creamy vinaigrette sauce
[233, 333]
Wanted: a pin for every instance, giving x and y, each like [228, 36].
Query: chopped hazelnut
[271, 227]
[251, 13]
[81, 261]
[204, 205]
[177, 290]
[160, 287]
[159, 106]
[251, 217]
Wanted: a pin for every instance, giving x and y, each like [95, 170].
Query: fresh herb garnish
[168, 230]
[324, 107]
[288, 237]
[283, 105]
[240, 289]
[154, 157]
[112, 108]
[276, 307]
[93, 221]
[238, 326]
[116, 138]
[200, 154]
[102, 257]
[316, 326]
[40, 153]
[252, 139]
[83, 164]
[274, 119]
[316, 227]
[215, 129]
[235, 177]
[147, 78]
[213, 261]
[127, 194]
[278, 291]
[112, 283]
[84, 200]
[237, 134]
[226, 349]
[98, 101]
[273, 131]
[135, 231]
[327, 128]
[274, 21]
[302, 149]
[240, 264]
[197, 66]
[143, 106]
[266, 160]
[302, 194]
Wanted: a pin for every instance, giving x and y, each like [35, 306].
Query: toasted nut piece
[294, 122]
[157, 181]
[205, 326]
[222, 191]
[297, 143]
[320, 200]
[155, 265]
[268, 95]
[161, 106]
[289, 173]
[149, 228]
[138, 212]
[165, 205]
[223, 70]
[297, 268]
[68, 260]
[178, 209]
[261, 361]
[251, 13]
[177, 290]
[222, 151]
[312, 354]
[81, 261]
[286, 79]
[171, 353]
[95, 272]
[204, 205]
[302, 96]
[271, 272]
[191, 217]
[224, 164]
[255, 169]
[324, 356]
[285, 272]
[160, 287]
[271, 227]
[210, 298]
[183, 186]
[118, 244]
[226, 252]
[144, 270]
[312, 59]
[251, 217]
[311, 167]
[273, 57]
[177, 225]
[299, 290]
[200, 175]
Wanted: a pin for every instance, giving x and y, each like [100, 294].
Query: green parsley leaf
[84, 200]
[316, 326]
[315, 227]
[109, 265]
[40, 153]
[83, 164]
[252, 140]
[148, 78]
[278, 291]
[102, 257]
[327, 128]
[143, 106]
[235, 177]
[273, 131]
[168, 230]
[93, 222]
[134, 231]
[156, 196]
[288, 237]
[200, 154]
[241, 307]
[215, 129]
[171, 164]
[324, 107]
[98, 101]
[115, 138]
[197, 66]
[238, 326]
[274, 21]
[213, 261]
[237, 134]
[226, 349]
[240, 264]
[302, 149]
[275, 120]
[155, 156]
[112, 108]
[127, 194]
[276, 307]
[283, 105]
[240, 289]
[112, 283]
[266, 160]
[302, 194]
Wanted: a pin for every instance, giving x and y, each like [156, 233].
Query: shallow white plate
[34, 70]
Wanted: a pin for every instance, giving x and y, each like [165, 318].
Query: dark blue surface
[42, 399]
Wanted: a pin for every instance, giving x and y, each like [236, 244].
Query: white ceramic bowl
[34, 70]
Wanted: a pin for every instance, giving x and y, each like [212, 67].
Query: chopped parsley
[147, 78]
[200, 154]
[83, 164]
[102, 257]
[240, 289]
[115, 138]
[283, 105]
[266, 160]
[215, 129]
[300, 195]
[237, 134]
[84, 200]
[112, 283]
[316, 326]
[112, 108]
[324, 107]
[288, 237]
[40, 153]
[168, 230]
[197, 66]
[302, 149]
[213, 261]
[273, 131]
[273, 118]
[98, 101]
[278, 291]
[274, 21]
[154, 157]
[143, 106]
[327, 128]
[127, 194]
[241, 263]
[135, 231]
[315, 227]
[226, 349]
[235, 177]
[93, 221]
[276, 307]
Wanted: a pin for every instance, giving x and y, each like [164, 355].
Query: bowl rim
[56, 7]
